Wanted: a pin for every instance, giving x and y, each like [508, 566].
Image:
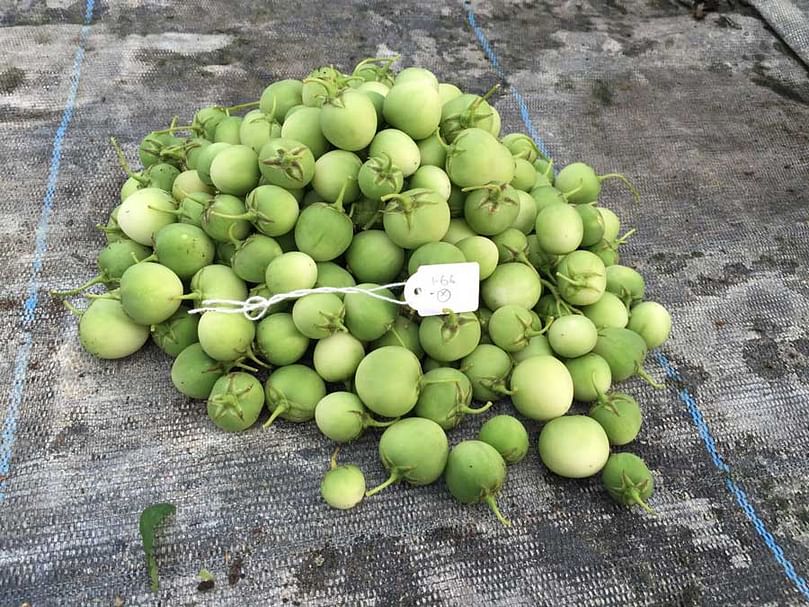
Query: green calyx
[498, 385]
[377, 69]
[471, 116]
[453, 323]
[332, 322]
[333, 85]
[629, 492]
[337, 100]
[201, 125]
[408, 202]
[252, 212]
[224, 404]
[289, 161]
[518, 255]
[249, 354]
[496, 195]
[528, 331]
[228, 402]
[164, 331]
[493, 383]
[385, 172]
[450, 326]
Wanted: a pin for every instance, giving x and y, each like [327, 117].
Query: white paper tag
[444, 286]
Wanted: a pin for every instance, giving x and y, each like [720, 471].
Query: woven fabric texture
[790, 18]
[709, 118]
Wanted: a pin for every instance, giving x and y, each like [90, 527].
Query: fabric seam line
[684, 395]
[777, 33]
[22, 359]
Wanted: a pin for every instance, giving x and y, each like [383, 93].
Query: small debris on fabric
[207, 581]
[725, 21]
[235, 572]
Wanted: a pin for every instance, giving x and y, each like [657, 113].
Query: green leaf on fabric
[150, 519]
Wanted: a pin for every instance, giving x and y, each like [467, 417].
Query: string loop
[255, 307]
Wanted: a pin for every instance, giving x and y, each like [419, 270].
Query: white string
[254, 308]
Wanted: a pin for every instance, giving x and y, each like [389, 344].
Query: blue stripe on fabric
[772, 543]
[741, 496]
[671, 372]
[22, 359]
[694, 410]
[495, 63]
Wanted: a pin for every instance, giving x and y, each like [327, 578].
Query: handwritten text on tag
[446, 286]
